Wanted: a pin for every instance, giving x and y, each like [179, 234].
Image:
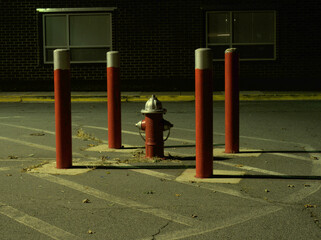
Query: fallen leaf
[9, 175]
[150, 192]
[12, 157]
[314, 158]
[31, 155]
[107, 172]
[37, 134]
[310, 206]
[267, 190]
[239, 165]
[291, 186]
[86, 200]
[307, 185]
[178, 195]
[90, 232]
[91, 145]
[194, 216]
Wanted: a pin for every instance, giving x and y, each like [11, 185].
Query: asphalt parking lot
[270, 190]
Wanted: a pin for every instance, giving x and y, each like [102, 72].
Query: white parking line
[254, 169]
[4, 168]
[29, 144]
[35, 223]
[188, 221]
[192, 232]
[35, 145]
[28, 128]
[137, 134]
[10, 117]
[254, 214]
[35, 129]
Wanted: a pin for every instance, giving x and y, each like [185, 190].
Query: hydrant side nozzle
[167, 125]
[141, 125]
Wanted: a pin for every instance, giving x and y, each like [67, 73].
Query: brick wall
[157, 40]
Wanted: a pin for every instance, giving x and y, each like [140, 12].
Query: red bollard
[232, 100]
[62, 108]
[114, 102]
[204, 112]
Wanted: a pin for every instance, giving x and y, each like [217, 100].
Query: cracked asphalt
[270, 190]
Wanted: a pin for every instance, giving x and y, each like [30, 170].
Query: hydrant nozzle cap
[153, 105]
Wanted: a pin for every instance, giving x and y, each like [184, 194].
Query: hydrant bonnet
[153, 105]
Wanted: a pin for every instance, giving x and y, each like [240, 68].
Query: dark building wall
[156, 40]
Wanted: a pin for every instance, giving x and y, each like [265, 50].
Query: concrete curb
[164, 97]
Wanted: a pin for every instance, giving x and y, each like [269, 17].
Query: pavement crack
[159, 230]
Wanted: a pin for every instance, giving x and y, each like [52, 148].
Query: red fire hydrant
[154, 125]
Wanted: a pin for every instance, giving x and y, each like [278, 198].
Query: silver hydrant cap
[153, 105]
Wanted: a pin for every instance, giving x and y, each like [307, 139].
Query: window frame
[231, 32]
[68, 45]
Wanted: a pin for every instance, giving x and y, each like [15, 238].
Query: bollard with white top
[232, 100]
[114, 101]
[62, 108]
[204, 112]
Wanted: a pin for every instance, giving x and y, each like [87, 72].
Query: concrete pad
[105, 148]
[50, 168]
[189, 176]
[244, 152]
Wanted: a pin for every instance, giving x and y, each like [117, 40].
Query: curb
[315, 96]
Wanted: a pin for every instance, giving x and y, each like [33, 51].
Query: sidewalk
[163, 96]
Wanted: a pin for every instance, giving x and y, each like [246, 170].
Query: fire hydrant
[154, 125]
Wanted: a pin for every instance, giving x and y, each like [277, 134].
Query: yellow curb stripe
[10, 99]
[88, 99]
[280, 97]
[37, 99]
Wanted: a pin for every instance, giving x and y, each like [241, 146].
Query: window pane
[88, 54]
[55, 28]
[256, 51]
[86, 30]
[263, 27]
[218, 28]
[242, 28]
[219, 51]
[49, 54]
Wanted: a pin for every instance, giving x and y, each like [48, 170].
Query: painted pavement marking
[34, 145]
[192, 232]
[120, 201]
[254, 169]
[4, 168]
[254, 214]
[35, 223]
[137, 134]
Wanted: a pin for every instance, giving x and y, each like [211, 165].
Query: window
[88, 36]
[252, 33]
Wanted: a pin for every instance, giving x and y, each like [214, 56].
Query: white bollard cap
[61, 59]
[203, 58]
[113, 59]
[231, 50]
